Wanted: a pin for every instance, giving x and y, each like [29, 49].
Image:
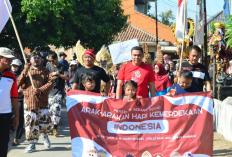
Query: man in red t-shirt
[139, 72]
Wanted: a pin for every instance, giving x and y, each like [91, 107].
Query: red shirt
[142, 74]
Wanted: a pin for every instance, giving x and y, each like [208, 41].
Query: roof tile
[132, 32]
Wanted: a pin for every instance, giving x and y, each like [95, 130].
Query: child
[185, 84]
[130, 89]
[87, 82]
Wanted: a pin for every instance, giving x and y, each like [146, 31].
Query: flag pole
[181, 56]
[20, 44]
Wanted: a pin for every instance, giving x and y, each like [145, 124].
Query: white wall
[223, 117]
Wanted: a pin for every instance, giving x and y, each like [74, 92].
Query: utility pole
[205, 32]
[156, 21]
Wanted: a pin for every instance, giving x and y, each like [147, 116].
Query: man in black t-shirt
[199, 71]
[100, 74]
[59, 75]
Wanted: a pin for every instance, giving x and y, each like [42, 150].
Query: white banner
[4, 16]
[121, 52]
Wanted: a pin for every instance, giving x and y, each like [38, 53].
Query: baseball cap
[73, 63]
[5, 52]
[16, 62]
[62, 54]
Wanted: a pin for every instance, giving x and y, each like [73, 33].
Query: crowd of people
[36, 89]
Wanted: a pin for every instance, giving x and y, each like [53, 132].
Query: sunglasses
[51, 61]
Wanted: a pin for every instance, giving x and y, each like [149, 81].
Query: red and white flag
[157, 127]
[4, 15]
[180, 19]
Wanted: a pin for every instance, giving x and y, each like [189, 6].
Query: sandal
[15, 144]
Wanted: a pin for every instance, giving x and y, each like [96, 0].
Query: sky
[212, 7]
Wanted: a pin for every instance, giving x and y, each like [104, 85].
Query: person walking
[9, 99]
[139, 72]
[16, 67]
[56, 95]
[200, 72]
[36, 113]
[169, 73]
[172, 67]
[62, 60]
[162, 80]
[71, 74]
[100, 74]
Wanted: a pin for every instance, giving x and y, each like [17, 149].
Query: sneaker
[30, 149]
[46, 140]
[55, 132]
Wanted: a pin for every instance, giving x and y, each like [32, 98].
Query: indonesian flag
[153, 127]
[180, 19]
[4, 16]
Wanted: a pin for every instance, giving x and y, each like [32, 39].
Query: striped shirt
[42, 80]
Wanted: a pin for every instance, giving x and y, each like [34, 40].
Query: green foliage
[64, 22]
[228, 35]
[166, 17]
[212, 27]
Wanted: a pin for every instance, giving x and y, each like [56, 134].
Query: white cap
[5, 52]
[16, 62]
[73, 63]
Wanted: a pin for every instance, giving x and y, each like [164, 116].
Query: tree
[64, 22]
[166, 17]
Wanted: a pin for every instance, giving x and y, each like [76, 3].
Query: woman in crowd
[162, 81]
[16, 70]
[177, 68]
[170, 74]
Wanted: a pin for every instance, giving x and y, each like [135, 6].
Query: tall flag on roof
[226, 8]
[180, 19]
[4, 16]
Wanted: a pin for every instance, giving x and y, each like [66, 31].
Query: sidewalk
[58, 144]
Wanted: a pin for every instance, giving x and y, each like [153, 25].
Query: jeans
[5, 123]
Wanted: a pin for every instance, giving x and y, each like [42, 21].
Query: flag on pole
[226, 8]
[199, 24]
[180, 19]
[4, 16]
[161, 126]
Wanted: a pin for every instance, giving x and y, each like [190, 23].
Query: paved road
[58, 144]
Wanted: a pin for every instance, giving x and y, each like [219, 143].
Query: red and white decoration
[180, 19]
[161, 126]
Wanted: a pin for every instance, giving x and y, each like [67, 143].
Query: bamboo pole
[214, 74]
[181, 57]
[20, 44]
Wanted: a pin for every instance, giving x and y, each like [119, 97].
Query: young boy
[184, 85]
